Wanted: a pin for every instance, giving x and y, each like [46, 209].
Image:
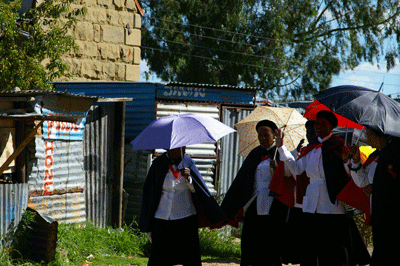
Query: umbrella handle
[358, 140]
[183, 163]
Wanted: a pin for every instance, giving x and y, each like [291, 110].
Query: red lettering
[48, 161]
[47, 184]
[48, 145]
[76, 128]
[48, 174]
[49, 126]
[58, 125]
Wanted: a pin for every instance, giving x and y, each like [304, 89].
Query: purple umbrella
[180, 130]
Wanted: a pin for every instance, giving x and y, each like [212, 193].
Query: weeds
[80, 241]
[216, 246]
[86, 243]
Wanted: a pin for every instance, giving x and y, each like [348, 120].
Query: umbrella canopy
[364, 106]
[180, 130]
[292, 121]
[313, 108]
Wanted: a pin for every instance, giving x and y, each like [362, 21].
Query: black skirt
[175, 242]
[332, 240]
[261, 240]
[294, 234]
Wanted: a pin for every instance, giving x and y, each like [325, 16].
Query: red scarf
[263, 158]
[174, 172]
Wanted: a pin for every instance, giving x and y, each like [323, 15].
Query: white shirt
[176, 199]
[364, 176]
[316, 199]
[262, 181]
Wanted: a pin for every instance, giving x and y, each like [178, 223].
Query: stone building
[108, 37]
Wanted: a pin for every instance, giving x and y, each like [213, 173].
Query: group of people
[287, 201]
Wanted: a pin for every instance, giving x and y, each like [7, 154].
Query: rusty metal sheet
[65, 208]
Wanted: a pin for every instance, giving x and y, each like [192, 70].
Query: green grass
[85, 243]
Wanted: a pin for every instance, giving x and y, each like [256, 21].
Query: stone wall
[107, 50]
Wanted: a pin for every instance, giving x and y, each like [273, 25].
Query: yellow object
[365, 151]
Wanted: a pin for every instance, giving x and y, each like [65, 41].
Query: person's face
[322, 127]
[310, 133]
[176, 153]
[266, 136]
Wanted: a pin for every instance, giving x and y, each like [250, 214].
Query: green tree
[291, 49]
[27, 40]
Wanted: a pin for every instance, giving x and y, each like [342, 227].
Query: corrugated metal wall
[230, 161]
[139, 113]
[57, 180]
[136, 166]
[14, 200]
[99, 161]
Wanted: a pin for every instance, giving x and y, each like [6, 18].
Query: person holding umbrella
[380, 171]
[332, 238]
[176, 202]
[248, 201]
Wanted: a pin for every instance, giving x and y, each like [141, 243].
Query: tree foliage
[27, 40]
[291, 49]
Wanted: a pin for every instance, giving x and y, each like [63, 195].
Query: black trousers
[175, 242]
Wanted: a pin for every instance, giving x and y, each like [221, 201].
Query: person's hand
[273, 164]
[279, 135]
[185, 172]
[300, 145]
[354, 153]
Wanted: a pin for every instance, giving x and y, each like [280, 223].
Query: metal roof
[27, 93]
[230, 87]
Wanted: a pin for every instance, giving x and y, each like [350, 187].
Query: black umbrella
[364, 106]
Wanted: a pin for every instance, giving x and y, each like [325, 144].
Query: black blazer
[208, 211]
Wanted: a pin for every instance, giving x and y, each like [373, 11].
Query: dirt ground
[231, 263]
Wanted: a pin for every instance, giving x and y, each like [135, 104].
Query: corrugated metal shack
[228, 104]
[43, 164]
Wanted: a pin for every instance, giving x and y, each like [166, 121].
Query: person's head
[176, 153]
[266, 133]
[310, 131]
[325, 123]
[376, 139]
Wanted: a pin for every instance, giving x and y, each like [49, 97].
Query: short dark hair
[328, 115]
[310, 123]
[266, 123]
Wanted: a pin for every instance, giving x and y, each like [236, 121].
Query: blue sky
[365, 75]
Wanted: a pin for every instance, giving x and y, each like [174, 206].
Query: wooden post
[20, 148]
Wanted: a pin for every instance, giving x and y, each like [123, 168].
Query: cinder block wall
[106, 49]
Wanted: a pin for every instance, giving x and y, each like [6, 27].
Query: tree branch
[354, 28]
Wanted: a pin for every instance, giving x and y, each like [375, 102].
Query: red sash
[283, 186]
[355, 196]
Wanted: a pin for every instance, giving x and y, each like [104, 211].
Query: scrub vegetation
[87, 244]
